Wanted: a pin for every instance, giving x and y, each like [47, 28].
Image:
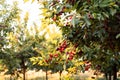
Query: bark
[24, 69]
[10, 77]
[24, 72]
[115, 72]
[110, 76]
[60, 73]
[46, 73]
[106, 76]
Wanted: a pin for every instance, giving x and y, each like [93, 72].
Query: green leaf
[70, 36]
[104, 3]
[118, 36]
[112, 11]
[105, 14]
[73, 21]
[87, 20]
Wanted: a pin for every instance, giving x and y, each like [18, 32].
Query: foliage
[90, 30]
[17, 41]
[92, 26]
[8, 14]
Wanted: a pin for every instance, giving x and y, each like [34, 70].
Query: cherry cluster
[62, 11]
[51, 56]
[62, 46]
[71, 55]
[87, 65]
[68, 20]
[54, 18]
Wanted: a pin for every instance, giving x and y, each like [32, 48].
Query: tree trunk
[106, 76]
[115, 72]
[110, 75]
[46, 74]
[60, 75]
[24, 69]
[10, 77]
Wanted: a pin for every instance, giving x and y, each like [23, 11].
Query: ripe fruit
[70, 17]
[86, 68]
[57, 49]
[51, 55]
[50, 59]
[62, 46]
[55, 55]
[54, 18]
[87, 65]
[46, 61]
[70, 58]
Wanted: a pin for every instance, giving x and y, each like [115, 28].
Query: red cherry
[51, 55]
[67, 53]
[70, 58]
[86, 68]
[65, 42]
[55, 55]
[71, 54]
[46, 61]
[62, 49]
[64, 45]
[54, 18]
[57, 49]
[50, 59]
[70, 17]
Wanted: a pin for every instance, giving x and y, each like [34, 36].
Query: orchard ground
[40, 75]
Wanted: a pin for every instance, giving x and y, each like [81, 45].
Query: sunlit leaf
[26, 16]
[118, 36]
[26, 1]
[33, 1]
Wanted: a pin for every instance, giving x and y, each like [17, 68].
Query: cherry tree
[92, 26]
